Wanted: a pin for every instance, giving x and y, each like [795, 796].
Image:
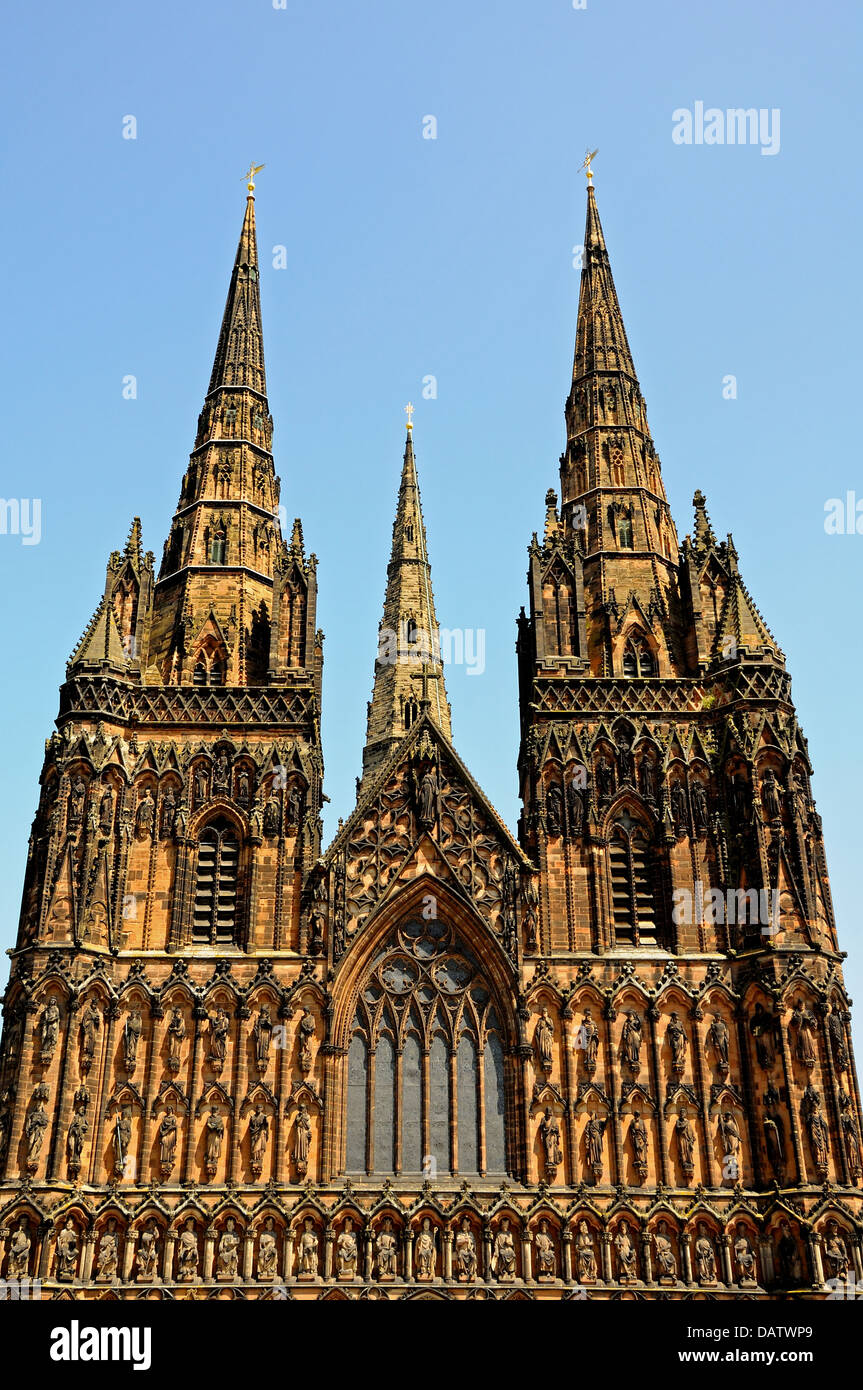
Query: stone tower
[606, 1057]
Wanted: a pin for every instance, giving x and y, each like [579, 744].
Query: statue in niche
[201, 785]
[678, 1042]
[585, 1255]
[176, 1036]
[308, 1250]
[503, 1253]
[685, 1140]
[705, 1257]
[626, 1256]
[647, 779]
[109, 1251]
[75, 802]
[700, 805]
[229, 1244]
[575, 806]
[631, 1040]
[386, 1248]
[346, 1251]
[244, 787]
[836, 1253]
[836, 1033]
[626, 761]
[801, 1031]
[593, 1135]
[790, 1266]
[294, 806]
[604, 779]
[148, 1253]
[132, 1029]
[34, 1128]
[106, 812]
[272, 815]
[729, 1133]
[543, 1040]
[774, 1138]
[168, 1141]
[553, 808]
[146, 815]
[166, 815]
[180, 819]
[259, 1134]
[268, 1251]
[465, 1252]
[665, 1258]
[306, 1032]
[221, 772]
[426, 799]
[744, 1258]
[549, 1130]
[718, 1039]
[75, 1137]
[220, 1026]
[67, 1252]
[19, 1251]
[588, 1040]
[263, 1036]
[638, 1140]
[770, 797]
[215, 1126]
[546, 1260]
[302, 1139]
[679, 807]
[425, 1250]
[819, 1133]
[49, 1030]
[762, 1026]
[187, 1253]
[849, 1132]
[121, 1141]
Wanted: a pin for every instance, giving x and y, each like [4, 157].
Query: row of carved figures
[465, 1249]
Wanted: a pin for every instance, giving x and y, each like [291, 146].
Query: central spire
[408, 671]
[239, 359]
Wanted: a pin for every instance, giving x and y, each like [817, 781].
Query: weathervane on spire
[409, 412]
[250, 176]
[589, 155]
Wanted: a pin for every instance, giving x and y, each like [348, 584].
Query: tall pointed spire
[408, 670]
[239, 359]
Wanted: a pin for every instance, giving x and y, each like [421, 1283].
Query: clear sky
[410, 257]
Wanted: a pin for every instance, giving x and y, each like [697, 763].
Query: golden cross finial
[250, 176]
[409, 412]
[589, 155]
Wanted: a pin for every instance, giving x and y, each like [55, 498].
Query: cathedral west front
[603, 1054]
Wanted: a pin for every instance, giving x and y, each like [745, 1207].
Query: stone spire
[612, 496]
[213, 596]
[408, 670]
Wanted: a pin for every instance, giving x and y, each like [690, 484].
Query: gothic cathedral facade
[607, 1056]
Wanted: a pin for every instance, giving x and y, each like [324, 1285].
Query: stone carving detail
[503, 1253]
[544, 1253]
[79, 1126]
[666, 1263]
[215, 1127]
[543, 1041]
[259, 1134]
[306, 1030]
[801, 1035]
[705, 1257]
[308, 1250]
[425, 1250]
[35, 1126]
[386, 1250]
[685, 1133]
[168, 1142]
[744, 1259]
[631, 1040]
[108, 1254]
[302, 1139]
[346, 1251]
[465, 1253]
[263, 1036]
[219, 1028]
[718, 1039]
[68, 1251]
[49, 1031]
[18, 1266]
[585, 1255]
[638, 1143]
[148, 1253]
[132, 1029]
[549, 1130]
[228, 1251]
[188, 1256]
[268, 1252]
[678, 1042]
[176, 1035]
[627, 1260]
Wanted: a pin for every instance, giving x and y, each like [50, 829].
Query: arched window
[218, 547]
[411, 712]
[632, 889]
[426, 1062]
[215, 914]
[199, 676]
[638, 659]
[624, 531]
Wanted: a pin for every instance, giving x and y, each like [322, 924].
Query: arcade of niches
[605, 1057]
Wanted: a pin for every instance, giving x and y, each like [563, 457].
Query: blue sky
[451, 257]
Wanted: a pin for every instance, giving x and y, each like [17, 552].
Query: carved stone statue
[272, 815]
[729, 1133]
[647, 779]
[75, 803]
[427, 799]
[346, 1251]
[604, 779]
[705, 1257]
[465, 1253]
[575, 807]
[679, 807]
[132, 1029]
[306, 1032]
[308, 1250]
[294, 806]
[789, 1262]
[67, 1252]
[543, 1040]
[34, 1128]
[259, 1134]
[262, 1034]
[215, 1126]
[91, 1023]
[75, 1136]
[229, 1244]
[585, 1255]
[700, 805]
[762, 1026]
[503, 1253]
[386, 1250]
[819, 1134]
[836, 1033]
[19, 1251]
[148, 1252]
[770, 796]
[638, 1140]
[425, 1250]
[718, 1038]
[801, 1035]
[685, 1140]
[627, 1265]
[176, 1035]
[168, 1141]
[775, 1140]
[678, 1042]
[121, 1141]
[268, 1251]
[631, 1039]
[166, 814]
[221, 771]
[593, 1135]
[744, 1259]
[201, 785]
[836, 1253]
[49, 1030]
[546, 1259]
[187, 1253]
[588, 1037]
[302, 1139]
[146, 815]
[666, 1263]
[220, 1027]
[849, 1133]
[106, 812]
[109, 1251]
[554, 808]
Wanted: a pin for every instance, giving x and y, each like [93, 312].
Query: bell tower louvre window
[215, 912]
